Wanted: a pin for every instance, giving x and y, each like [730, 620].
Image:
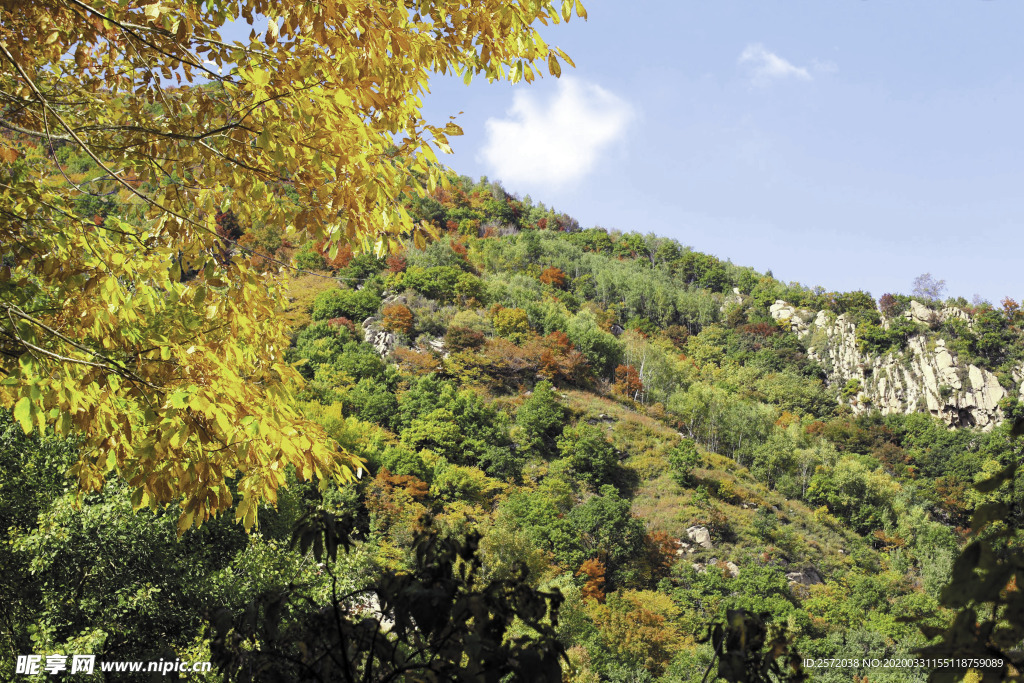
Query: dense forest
[609, 432]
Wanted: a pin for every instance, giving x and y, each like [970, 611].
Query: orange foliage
[817, 427]
[627, 382]
[508, 365]
[661, 553]
[414, 486]
[418, 362]
[396, 263]
[397, 318]
[593, 569]
[886, 542]
[554, 277]
[787, 418]
[1011, 309]
[459, 248]
[560, 361]
[396, 503]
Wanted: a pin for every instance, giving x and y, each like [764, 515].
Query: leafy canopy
[141, 327]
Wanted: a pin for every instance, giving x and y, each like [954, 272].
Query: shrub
[348, 303]
[682, 460]
[462, 338]
[511, 323]
[309, 258]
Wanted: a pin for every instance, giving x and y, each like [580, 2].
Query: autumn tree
[179, 383]
[397, 318]
[553, 276]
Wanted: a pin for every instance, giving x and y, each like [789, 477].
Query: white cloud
[767, 66]
[558, 141]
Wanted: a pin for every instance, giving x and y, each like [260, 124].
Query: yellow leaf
[553, 66]
[153, 11]
[23, 414]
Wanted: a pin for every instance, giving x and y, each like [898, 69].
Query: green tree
[541, 419]
[682, 459]
[587, 452]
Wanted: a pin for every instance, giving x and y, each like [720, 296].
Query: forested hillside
[619, 418]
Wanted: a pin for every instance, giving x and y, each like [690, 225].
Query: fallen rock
[734, 571]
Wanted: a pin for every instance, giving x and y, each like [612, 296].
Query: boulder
[734, 570]
[700, 535]
[808, 576]
[921, 314]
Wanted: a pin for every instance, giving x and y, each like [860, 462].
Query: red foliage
[228, 229]
[462, 338]
[554, 277]
[460, 249]
[452, 226]
[343, 258]
[396, 263]
[887, 303]
[559, 361]
[343, 322]
[558, 342]
[760, 329]
[677, 334]
[542, 224]
[815, 428]
[1011, 309]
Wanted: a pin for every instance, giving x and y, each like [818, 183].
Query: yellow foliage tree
[158, 340]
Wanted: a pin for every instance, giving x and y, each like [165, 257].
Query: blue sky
[853, 145]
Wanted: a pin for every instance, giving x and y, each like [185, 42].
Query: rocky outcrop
[808, 576]
[798, 318]
[382, 341]
[925, 376]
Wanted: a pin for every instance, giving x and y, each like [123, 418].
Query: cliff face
[925, 376]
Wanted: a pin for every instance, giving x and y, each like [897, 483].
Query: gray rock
[926, 375]
[700, 535]
[808, 576]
